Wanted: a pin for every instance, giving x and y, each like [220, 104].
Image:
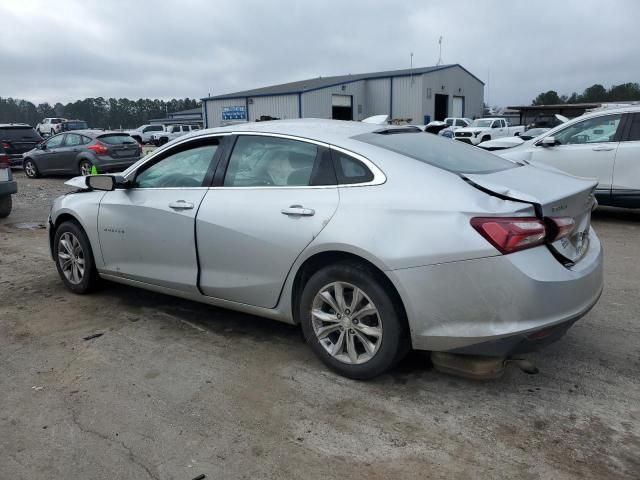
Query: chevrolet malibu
[374, 239]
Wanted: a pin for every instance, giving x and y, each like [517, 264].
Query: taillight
[5, 145]
[510, 234]
[5, 162]
[99, 148]
[559, 227]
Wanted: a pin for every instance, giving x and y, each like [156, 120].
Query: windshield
[482, 123]
[439, 152]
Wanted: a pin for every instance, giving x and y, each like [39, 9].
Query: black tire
[6, 204]
[90, 278]
[85, 166]
[137, 139]
[30, 168]
[394, 343]
[486, 138]
[162, 141]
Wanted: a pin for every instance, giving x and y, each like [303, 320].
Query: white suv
[171, 132]
[50, 126]
[604, 145]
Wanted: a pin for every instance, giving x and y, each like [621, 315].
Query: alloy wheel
[71, 258]
[30, 169]
[346, 323]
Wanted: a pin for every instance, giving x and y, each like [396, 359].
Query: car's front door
[586, 149]
[275, 198]
[68, 153]
[147, 231]
[50, 158]
[625, 188]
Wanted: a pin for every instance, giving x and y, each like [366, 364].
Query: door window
[350, 170]
[634, 130]
[594, 130]
[73, 140]
[55, 142]
[185, 128]
[183, 169]
[270, 161]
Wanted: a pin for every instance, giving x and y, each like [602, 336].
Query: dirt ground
[174, 389]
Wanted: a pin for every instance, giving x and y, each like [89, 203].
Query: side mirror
[41, 146]
[105, 183]
[548, 141]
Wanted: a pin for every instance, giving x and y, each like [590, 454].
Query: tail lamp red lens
[99, 148]
[511, 234]
[5, 162]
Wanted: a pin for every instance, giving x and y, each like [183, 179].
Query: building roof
[191, 111]
[555, 107]
[324, 82]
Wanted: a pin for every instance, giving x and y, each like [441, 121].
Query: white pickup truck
[485, 129]
[143, 133]
[50, 126]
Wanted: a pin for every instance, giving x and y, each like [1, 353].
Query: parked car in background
[454, 124]
[143, 133]
[172, 132]
[17, 138]
[410, 241]
[547, 120]
[604, 145]
[7, 185]
[484, 129]
[79, 151]
[510, 142]
[69, 125]
[50, 126]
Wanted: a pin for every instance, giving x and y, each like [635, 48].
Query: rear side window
[117, 139]
[350, 170]
[262, 161]
[185, 128]
[439, 152]
[634, 131]
[18, 133]
[73, 140]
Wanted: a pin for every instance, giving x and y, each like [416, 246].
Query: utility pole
[440, 56]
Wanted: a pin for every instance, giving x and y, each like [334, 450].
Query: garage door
[458, 107]
[340, 100]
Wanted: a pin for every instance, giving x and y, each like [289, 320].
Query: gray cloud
[74, 49]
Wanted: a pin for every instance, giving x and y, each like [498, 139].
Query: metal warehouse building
[417, 95]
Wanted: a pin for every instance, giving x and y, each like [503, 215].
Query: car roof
[94, 132]
[322, 130]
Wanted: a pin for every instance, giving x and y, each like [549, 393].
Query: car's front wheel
[351, 322]
[30, 168]
[74, 258]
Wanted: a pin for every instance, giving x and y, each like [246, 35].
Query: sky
[68, 50]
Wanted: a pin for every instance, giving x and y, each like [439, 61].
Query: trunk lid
[553, 194]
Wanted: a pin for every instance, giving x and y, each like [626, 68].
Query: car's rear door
[625, 188]
[273, 195]
[147, 231]
[586, 149]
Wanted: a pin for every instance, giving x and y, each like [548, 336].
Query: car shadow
[617, 215]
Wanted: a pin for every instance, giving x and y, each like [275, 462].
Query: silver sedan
[374, 239]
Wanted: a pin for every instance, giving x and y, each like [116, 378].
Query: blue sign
[234, 113]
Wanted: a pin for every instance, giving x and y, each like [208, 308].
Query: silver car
[375, 239]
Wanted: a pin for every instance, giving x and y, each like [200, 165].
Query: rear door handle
[181, 205]
[298, 210]
[603, 148]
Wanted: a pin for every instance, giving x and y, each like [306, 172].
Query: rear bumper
[8, 188]
[16, 159]
[498, 305]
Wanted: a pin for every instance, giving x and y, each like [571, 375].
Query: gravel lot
[174, 389]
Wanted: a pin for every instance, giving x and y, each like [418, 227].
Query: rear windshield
[439, 152]
[117, 139]
[18, 133]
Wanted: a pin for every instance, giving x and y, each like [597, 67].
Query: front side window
[634, 131]
[55, 142]
[593, 130]
[183, 169]
[260, 161]
[185, 128]
[449, 122]
[460, 123]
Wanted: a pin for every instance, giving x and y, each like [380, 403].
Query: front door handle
[603, 148]
[298, 210]
[181, 205]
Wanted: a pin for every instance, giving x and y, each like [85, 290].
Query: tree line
[97, 112]
[593, 94]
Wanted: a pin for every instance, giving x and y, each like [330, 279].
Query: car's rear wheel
[30, 168]
[74, 258]
[6, 204]
[162, 141]
[350, 321]
[85, 167]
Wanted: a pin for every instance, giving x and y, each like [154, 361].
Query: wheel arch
[318, 260]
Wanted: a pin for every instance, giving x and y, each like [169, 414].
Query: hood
[77, 182]
[500, 143]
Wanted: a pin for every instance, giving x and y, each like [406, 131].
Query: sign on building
[234, 113]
